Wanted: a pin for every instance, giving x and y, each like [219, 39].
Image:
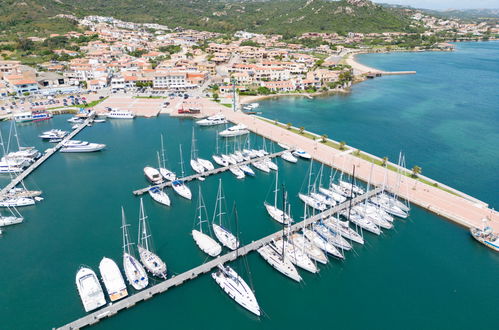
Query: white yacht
[237, 172]
[75, 120]
[120, 114]
[208, 166]
[153, 175]
[212, 120]
[223, 235]
[207, 244]
[261, 166]
[332, 237]
[7, 167]
[167, 174]
[236, 288]
[322, 244]
[302, 154]
[135, 274]
[196, 166]
[235, 130]
[10, 220]
[181, 189]
[229, 159]
[159, 196]
[373, 216]
[312, 202]
[347, 185]
[389, 206]
[81, 146]
[332, 194]
[311, 249]
[17, 202]
[279, 262]
[90, 290]
[53, 134]
[343, 228]
[295, 255]
[247, 170]
[361, 221]
[149, 259]
[323, 199]
[270, 164]
[220, 161]
[113, 280]
[287, 156]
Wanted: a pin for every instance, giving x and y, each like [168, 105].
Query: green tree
[384, 161]
[263, 90]
[302, 129]
[215, 97]
[416, 170]
[342, 145]
[288, 126]
[324, 138]
[25, 44]
[250, 43]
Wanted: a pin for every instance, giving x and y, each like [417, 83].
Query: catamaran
[89, 288]
[223, 235]
[148, 258]
[207, 244]
[274, 212]
[113, 281]
[134, 272]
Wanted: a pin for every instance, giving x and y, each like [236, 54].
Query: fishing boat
[236, 130]
[213, 120]
[310, 249]
[153, 175]
[134, 272]
[277, 260]
[207, 244]
[159, 196]
[322, 243]
[288, 156]
[120, 114]
[81, 146]
[486, 236]
[274, 212]
[90, 290]
[149, 259]
[113, 280]
[234, 286]
[301, 153]
[223, 235]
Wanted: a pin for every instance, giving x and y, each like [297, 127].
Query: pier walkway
[148, 293]
[208, 173]
[48, 153]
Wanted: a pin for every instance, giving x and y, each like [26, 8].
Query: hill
[276, 16]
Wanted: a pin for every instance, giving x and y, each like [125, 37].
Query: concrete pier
[164, 286]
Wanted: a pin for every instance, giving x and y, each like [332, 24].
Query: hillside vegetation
[277, 16]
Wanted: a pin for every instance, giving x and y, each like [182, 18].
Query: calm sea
[426, 273]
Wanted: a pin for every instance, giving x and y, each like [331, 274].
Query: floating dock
[208, 173]
[177, 280]
[48, 153]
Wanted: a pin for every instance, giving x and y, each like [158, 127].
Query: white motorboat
[232, 284]
[302, 154]
[113, 280]
[17, 202]
[81, 146]
[332, 237]
[120, 114]
[135, 273]
[237, 172]
[261, 166]
[153, 175]
[247, 170]
[322, 244]
[8, 168]
[53, 134]
[279, 262]
[75, 120]
[235, 130]
[343, 228]
[284, 146]
[310, 249]
[181, 189]
[207, 244]
[312, 202]
[90, 290]
[332, 194]
[149, 259]
[159, 196]
[295, 255]
[213, 120]
[223, 235]
[287, 156]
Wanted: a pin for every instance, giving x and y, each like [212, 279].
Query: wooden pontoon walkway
[148, 293]
[208, 173]
[49, 152]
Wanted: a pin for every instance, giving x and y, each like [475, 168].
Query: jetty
[208, 173]
[191, 274]
[48, 153]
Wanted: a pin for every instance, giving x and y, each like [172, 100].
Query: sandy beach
[357, 67]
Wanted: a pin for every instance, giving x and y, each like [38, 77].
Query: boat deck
[177, 280]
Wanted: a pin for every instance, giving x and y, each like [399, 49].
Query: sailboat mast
[283, 218]
[162, 152]
[126, 243]
[276, 190]
[181, 161]
[144, 240]
[351, 194]
[219, 200]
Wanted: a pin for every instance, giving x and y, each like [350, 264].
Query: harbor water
[426, 273]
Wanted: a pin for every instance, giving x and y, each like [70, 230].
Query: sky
[445, 4]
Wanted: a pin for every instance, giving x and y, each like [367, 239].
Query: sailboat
[343, 228]
[148, 258]
[158, 195]
[165, 173]
[223, 235]
[207, 244]
[134, 272]
[274, 212]
[217, 157]
[196, 166]
[310, 249]
[234, 285]
[12, 219]
[179, 185]
[279, 261]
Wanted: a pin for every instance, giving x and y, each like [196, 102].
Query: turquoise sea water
[427, 273]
